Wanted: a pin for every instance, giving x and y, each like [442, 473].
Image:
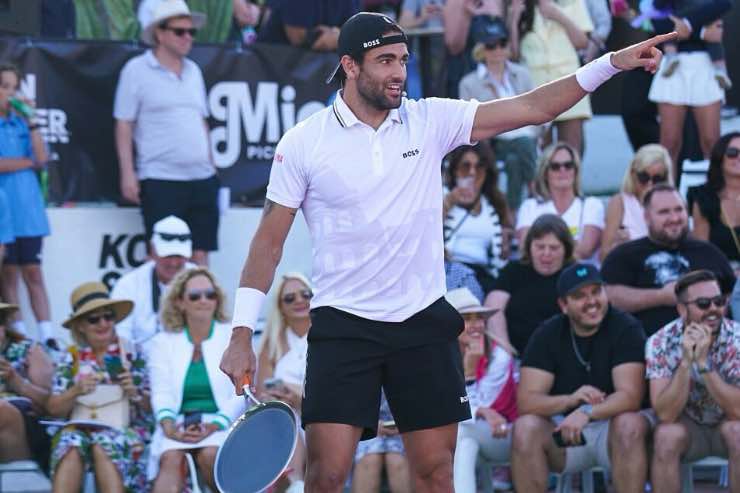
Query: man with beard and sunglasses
[365, 173]
[582, 382]
[693, 365]
[641, 274]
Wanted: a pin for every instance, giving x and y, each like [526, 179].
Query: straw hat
[465, 302]
[88, 297]
[167, 9]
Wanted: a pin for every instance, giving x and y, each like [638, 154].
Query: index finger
[660, 38]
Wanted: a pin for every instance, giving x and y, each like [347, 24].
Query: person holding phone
[582, 383]
[193, 402]
[693, 367]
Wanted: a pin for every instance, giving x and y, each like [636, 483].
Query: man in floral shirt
[693, 365]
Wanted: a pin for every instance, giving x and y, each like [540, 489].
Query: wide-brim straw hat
[167, 9]
[91, 296]
[465, 302]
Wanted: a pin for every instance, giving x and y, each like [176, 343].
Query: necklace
[581, 360]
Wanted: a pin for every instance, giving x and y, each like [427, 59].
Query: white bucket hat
[465, 302]
[167, 9]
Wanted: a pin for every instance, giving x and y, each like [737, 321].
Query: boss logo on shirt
[370, 44]
[411, 153]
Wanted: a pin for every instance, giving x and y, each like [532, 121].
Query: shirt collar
[347, 118]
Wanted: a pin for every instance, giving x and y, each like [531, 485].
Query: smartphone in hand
[558, 437]
[113, 365]
[192, 419]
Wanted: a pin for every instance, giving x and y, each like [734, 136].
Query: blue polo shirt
[6, 222]
[22, 191]
[306, 13]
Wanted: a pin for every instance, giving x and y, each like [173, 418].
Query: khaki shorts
[596, 451]
[704, 441]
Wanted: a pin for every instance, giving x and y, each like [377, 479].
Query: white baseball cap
[167, 9]
[171, 236]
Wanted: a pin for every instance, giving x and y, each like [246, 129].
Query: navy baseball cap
[491, 31]
[364, 31]
[577, 276]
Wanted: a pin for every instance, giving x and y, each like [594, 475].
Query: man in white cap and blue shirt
[365, 173]
[171, 246]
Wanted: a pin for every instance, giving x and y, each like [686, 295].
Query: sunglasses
[498, 44]
[644, 178]
[555, 166]
[182, 31]
[173, 237]
[197, 294]
[732, 152]
[718, 301]
[94, 319]
[290, 298]
[466, 166]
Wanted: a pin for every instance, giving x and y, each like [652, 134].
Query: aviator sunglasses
[555, 166]
[197, 294]
[644, 178]
[182, 31]
[94, 319]
[290, 298]
[704, 303]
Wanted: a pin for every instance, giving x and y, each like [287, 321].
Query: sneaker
[671, 64]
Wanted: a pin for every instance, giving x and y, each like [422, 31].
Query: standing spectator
[558, 191]
[497, 77]
[6, 227]
[421, 13]
[693, 365]
[625, 216]
[601, 18]
[22, 151]
[161, 107]
[641, 274]
[546, 37]
[524, 294]
[476, 214]
[170, 247]
[312, 24]
[582, 377]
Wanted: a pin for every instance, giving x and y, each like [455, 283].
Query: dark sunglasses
[644, 178]
[466, 166]
[498, 44]
[718, 301]
[182, 31]
[732, 152]
[94, 319]
[555, 166]
[173, 237]
[197, 294]
[291, 297]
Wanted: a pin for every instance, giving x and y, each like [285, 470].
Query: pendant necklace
[583, 362]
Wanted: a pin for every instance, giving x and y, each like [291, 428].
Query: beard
[663, 238]
[373, 94]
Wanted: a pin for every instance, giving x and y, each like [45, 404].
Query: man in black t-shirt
[641, 274]
[582, 379]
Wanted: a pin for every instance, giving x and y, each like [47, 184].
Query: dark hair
[549, 224]
[11, 67]
[715, 175]
[341, 76]
[490, 185]
[526, 21]
[660, 187]
[691, 278]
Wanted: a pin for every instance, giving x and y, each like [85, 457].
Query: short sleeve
[452, 122]
[126, 105]
[538, 354]
[202, 98]
[593, 215]
[288, 180]
[656, 362]
[506, 279]
[630, 348]
[527, 213]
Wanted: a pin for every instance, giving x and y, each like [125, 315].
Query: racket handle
[247, 388]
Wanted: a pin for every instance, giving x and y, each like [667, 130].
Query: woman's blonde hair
[479, 52]
[173, 319]
[645, 157]
[273, 339]
[541, 187]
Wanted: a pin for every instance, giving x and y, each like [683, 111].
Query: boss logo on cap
[370, 44]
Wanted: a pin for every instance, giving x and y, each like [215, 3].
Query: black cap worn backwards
[576, 276]
[364, 31]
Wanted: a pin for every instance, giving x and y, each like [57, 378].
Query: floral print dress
[125, 448]
[16, 353]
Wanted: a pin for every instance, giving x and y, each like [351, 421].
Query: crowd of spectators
[558, 295]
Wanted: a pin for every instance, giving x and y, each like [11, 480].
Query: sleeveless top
[633, 218]
[719, 233]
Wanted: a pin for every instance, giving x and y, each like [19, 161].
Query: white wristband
[596, 72]
[247, 307]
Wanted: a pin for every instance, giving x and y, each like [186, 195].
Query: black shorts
[417, 362]
[195, 202]
[24, 250]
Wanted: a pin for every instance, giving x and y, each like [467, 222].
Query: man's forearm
[124, 148]
[671, 401]
[636, 299]
[40, 153]
[544, 405]
[262, 261]
[726, 395]
[617, 403]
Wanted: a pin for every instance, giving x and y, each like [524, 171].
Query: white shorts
[594, 453]
[691, 84]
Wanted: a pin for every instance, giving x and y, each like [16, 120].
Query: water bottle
[23, 108]
[249, 35]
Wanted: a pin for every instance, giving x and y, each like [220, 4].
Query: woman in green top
[193, 401]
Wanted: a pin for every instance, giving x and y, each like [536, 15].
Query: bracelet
[247, 307]
[596, 72]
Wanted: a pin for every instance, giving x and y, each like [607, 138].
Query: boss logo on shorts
[464, 399]
[370, 44]
[411, 153]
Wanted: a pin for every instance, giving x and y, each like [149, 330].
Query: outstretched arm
[546, 102]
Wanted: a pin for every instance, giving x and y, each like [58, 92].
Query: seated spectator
[282, 356]
[524, 294]
[489, 375]
[25, 381]
[558, 191]
[170, 247]
[641, 274]
[459, 275]
[497, 77]
[692, 365]
[193, 401]
[311, 24]
[715, 207]
[97, 361]
[582, 378]
[476, 214]
[625, 216]
[385, 450]
[22, 152]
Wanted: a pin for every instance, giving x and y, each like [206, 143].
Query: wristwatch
[586, 409]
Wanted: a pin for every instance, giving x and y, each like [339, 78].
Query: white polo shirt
[373, 202]
[168, 112]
